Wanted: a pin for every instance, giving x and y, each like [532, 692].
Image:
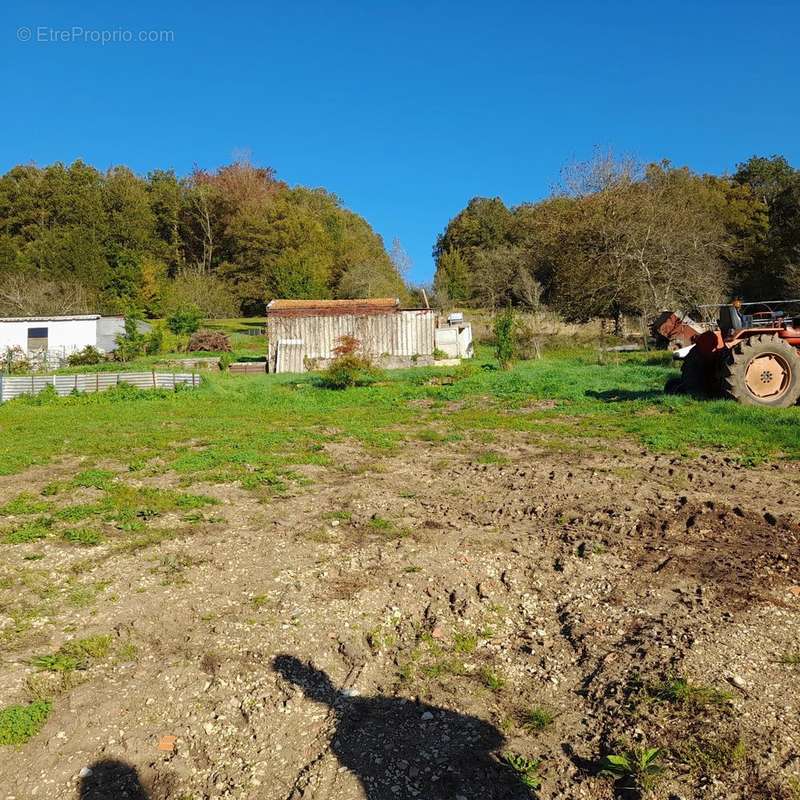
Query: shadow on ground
[112, 780]
[624, 395]
[399, 749]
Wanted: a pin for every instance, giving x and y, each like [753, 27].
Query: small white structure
[59, 336]
[455, 337]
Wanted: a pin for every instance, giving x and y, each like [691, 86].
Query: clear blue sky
[405, 109]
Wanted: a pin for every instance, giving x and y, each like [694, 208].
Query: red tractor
[753, 358]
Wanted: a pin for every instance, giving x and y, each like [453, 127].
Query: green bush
[348, 370]
[154, 341]
[185, 321]
[89, 355]
[350, 366]
[130, 343]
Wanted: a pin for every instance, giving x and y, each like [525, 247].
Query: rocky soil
[386, 631]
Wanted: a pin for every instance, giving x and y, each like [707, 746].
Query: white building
[57, 335]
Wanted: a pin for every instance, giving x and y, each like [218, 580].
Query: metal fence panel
[16, 386]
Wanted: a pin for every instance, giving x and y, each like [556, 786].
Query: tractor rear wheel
[697, 375]
[762, 371]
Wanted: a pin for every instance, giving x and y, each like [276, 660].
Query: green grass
[19, 724]
[492, 680]
[254, 429]
[30, 532]
[536, 719]
[83, 536]
[23, 505]
[76, 654]
[689, 696]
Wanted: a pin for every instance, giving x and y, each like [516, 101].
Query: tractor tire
[698, 375]
[674, 386]
[762, 371]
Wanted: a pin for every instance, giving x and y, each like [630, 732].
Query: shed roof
[67, 318]
[326, 308]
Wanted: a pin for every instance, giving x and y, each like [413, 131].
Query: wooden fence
[12, 386]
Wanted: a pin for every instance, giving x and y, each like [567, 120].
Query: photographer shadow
[399, 749]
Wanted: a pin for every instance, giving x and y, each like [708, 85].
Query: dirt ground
[383, 632]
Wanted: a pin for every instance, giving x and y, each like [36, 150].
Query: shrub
[14, 361]
[154, 341]
[209, 342]
[505, 331]
[185, 320]
[89, 355]
[349, 366]
[131, 342]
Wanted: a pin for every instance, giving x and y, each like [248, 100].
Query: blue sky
[406, 110]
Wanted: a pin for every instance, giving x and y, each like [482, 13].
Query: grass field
[470, 543]
[270, 422]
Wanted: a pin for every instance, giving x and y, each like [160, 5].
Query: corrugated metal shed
[382, 327]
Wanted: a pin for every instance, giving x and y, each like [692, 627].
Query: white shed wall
[67, 335]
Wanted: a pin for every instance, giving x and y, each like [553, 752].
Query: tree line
[620, 238]
[73, 238]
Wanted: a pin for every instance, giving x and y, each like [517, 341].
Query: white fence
[11, 387]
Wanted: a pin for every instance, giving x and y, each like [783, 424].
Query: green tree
[452, 280]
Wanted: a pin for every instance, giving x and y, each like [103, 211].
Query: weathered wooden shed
[304, 332]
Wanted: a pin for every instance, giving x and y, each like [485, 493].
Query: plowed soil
[385, 631]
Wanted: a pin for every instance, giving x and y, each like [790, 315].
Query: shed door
[37, 339]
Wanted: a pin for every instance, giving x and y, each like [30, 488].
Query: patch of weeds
[19, 724]
[32, 532]
[381, 524]
[127, 653]
[790, 658]
[76, 654]
[492, 680]
[83, 536]
[23, 505]
[636, 769]
[341, 515]
[79, 512]
[378, 640]
[406, 672]
[53, 488]
[411, 568]
[464, 642]
[491, 457]
[33, 557]
[443, 667]
[526, 769]
[260, 601]
[82, 596]
[711, 755]
[586, 549]
[536, 719]
[94, 479]
[274, 481]
[688, 696]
